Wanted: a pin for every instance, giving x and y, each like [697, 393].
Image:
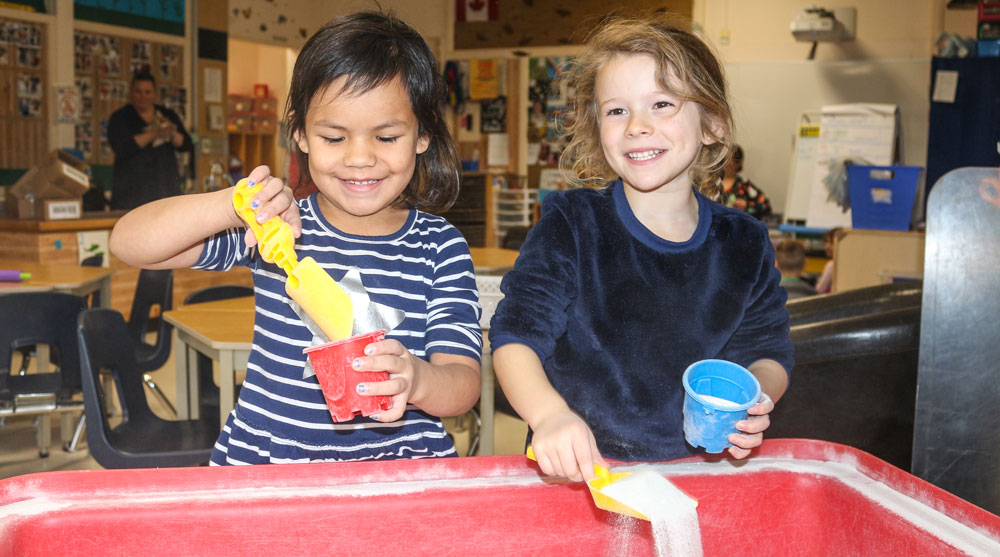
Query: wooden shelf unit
[253, 148]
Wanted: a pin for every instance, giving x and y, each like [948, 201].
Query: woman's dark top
[142, 174]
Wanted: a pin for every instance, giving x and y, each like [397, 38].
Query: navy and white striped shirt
[423, 269]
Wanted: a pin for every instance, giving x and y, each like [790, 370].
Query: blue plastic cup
[709, 421]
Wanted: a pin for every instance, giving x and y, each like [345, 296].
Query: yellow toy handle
[603, 474]
[274, 238]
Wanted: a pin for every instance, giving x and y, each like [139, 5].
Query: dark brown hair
[372, 49]
[686, 68]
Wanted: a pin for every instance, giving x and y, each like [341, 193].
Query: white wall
[772, 83]
[291, 22]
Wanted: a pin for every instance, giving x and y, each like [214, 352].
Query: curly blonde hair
[682, 60]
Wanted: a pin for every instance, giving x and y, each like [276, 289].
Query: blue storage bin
[882, 196]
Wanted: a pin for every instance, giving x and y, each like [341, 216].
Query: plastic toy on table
[308, 284]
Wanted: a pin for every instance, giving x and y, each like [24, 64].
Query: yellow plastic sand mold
[604, 478]
[308, 284]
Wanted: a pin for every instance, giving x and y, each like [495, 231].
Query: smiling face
[362, 152]
[143, 96]
[649, 137]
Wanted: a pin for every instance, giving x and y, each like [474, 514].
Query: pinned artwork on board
[493, 117]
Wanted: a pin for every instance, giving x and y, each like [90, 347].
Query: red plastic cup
[339, 380]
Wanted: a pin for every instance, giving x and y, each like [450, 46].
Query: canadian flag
[476, 10]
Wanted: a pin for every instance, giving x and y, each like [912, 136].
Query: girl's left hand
[751, 429]
[391, 356]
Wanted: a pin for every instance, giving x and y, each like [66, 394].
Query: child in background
[790, 258]
[825, 283]
[618, 289]
[365, 121]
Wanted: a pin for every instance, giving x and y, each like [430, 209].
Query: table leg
[181, 355]
[227, 385]
[106, 292]
[486, 405]
[194, 385]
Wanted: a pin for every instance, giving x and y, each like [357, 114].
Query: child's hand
[274, 198]
[752, 428]
[390, 355]
[565, 446]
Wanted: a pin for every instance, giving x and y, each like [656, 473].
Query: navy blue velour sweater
[616, 313]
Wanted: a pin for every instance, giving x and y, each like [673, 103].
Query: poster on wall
[109, 56]
[29, 95]
[68, 104]
[493, 115]
[85, 139]
[170, 56]
[175, 98]
[142, 58]
[484, 79]
[547, 96]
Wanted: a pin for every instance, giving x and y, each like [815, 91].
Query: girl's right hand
[274, 198]
[565, 446]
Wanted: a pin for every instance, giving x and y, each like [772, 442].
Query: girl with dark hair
[366, 125]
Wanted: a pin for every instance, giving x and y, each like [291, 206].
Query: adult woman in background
[145, 137]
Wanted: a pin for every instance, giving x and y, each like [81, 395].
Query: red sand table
[793, 497]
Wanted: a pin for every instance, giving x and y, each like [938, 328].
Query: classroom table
[223, 331]
[74, 279]
[492, 261]
[791, 497]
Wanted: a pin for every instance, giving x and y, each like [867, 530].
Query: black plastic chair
[154, 289]
[28, 352]
[142, 439]
[30, 319]
[207, 389]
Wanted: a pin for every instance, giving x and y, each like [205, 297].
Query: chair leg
[71, 446]
[43, 432]
[159, 394]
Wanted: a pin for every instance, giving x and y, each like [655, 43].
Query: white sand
[673, 514]
[721, 402]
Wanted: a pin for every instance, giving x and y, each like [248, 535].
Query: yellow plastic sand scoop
[308, 284]
[631, 494]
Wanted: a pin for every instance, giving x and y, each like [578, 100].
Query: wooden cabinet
[470, 213]
[253, 149]
[487, 207]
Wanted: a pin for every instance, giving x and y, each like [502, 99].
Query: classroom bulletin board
[23, 93]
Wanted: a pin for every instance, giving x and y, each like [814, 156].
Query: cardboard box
[59, 176]
[61, 209]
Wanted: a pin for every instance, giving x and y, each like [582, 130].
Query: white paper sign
[498, 149]
[945, 86]
[213, 85]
